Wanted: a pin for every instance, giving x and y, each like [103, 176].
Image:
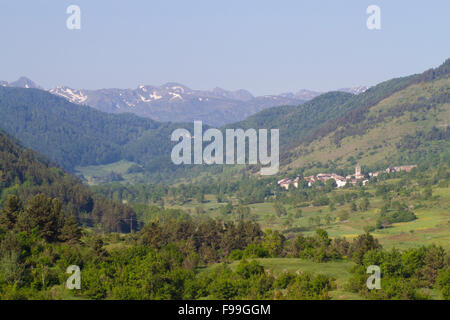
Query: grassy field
[95, 175]
[431, 226]
[339, 270]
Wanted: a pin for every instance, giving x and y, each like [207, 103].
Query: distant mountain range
[399, 121]
[177, 103]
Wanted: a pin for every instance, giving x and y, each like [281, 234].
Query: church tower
[358, 170]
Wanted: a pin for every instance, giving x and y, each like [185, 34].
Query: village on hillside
[340, 180]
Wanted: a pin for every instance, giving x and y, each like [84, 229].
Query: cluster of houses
[340, 180]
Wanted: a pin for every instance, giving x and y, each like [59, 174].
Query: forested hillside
[331, 111]
[74, 135]
[408, 125]
[24, 174]
[296, 122]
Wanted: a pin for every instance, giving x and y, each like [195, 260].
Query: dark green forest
[87, 136]
[25, 174]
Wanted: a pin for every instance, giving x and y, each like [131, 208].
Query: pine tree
[43, 215]
[8, 217]
[70, 232]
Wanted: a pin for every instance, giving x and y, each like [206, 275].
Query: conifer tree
[70, 232]
[8, 217]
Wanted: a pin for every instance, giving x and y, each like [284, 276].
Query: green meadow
[94, 175]
[431, 226]
[339, 270]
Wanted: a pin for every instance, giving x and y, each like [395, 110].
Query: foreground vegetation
[167, 260]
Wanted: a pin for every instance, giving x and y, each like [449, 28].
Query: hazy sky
[266, 47]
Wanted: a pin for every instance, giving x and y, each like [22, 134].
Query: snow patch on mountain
[74, 96]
